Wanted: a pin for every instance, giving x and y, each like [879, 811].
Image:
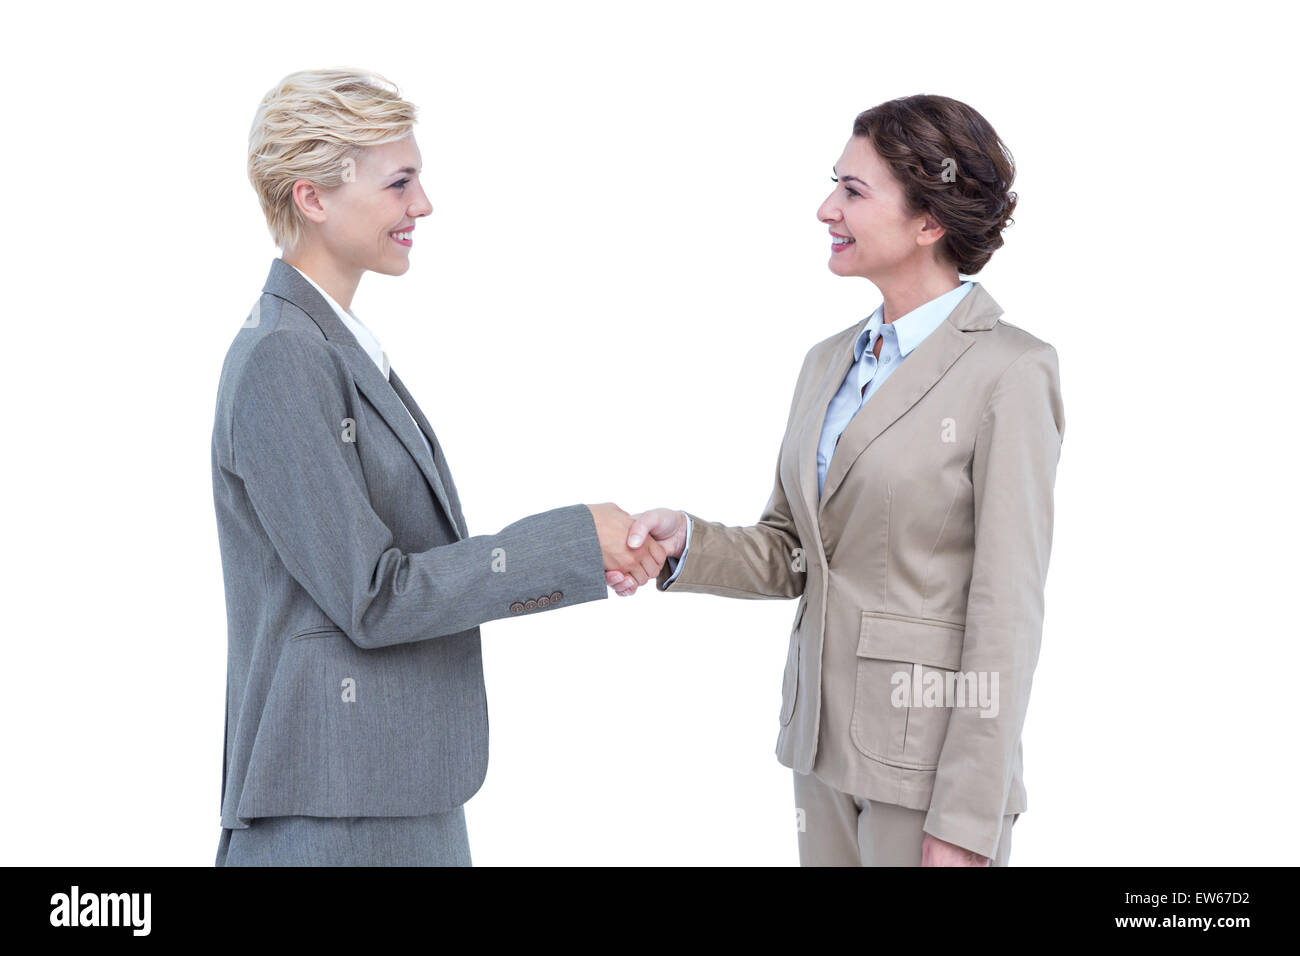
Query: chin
[393, 268]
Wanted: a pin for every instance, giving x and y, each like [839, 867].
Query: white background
[611, 300]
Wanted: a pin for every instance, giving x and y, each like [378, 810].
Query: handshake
[635, 547]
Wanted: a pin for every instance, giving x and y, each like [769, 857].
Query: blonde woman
[912, 513]
[356, 719]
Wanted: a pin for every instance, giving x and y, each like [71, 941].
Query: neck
[905, 293]
[339, 281]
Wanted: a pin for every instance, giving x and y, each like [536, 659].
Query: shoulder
[823, 351]
[278, 362]
[1021, 379]
[287, 361]
[278, 336]
[278, 350]
[1006, 348]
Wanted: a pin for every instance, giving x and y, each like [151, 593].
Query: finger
[613, 578]
[657, 550]
[651, 565]
[647, 523]
[659, 522]
[638, 573]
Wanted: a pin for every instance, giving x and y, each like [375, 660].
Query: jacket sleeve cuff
[673, 566]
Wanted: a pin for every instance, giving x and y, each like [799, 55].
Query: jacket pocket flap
[893, 637]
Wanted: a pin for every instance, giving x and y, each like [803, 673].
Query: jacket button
[555, 596]
[543, 601]
[530, 604]
[516, 608]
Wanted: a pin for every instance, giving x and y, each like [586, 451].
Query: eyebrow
[409, 170]
[850, 179]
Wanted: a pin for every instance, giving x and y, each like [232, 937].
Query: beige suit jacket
[925, 557]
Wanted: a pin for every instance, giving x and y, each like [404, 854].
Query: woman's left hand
[936, 852]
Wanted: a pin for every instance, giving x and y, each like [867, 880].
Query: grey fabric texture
[437, 839]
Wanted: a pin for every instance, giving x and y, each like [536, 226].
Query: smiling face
[868, 208]
[369, 218]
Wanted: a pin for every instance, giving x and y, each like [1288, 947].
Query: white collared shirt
[369, 344]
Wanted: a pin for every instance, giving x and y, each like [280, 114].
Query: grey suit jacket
[922, 563]
[353, 588]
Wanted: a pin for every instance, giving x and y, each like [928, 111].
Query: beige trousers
[840, 829]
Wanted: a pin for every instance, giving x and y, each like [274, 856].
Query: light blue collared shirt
[900, 338]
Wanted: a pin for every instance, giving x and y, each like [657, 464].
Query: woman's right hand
[640, 562]
[662, 525]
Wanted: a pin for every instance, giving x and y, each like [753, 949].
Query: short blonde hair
[312, 125]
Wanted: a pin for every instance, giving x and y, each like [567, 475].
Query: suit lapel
[285, 281]
[917, 374]
[441, 471]
[827, 381]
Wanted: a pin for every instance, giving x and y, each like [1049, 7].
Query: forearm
[755, 562]
[540, 562]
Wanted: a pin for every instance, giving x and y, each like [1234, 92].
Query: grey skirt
[439, 839]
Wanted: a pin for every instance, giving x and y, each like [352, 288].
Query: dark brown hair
[921, 137]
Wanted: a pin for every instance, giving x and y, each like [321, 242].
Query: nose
[829, 212]
[420, 205]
